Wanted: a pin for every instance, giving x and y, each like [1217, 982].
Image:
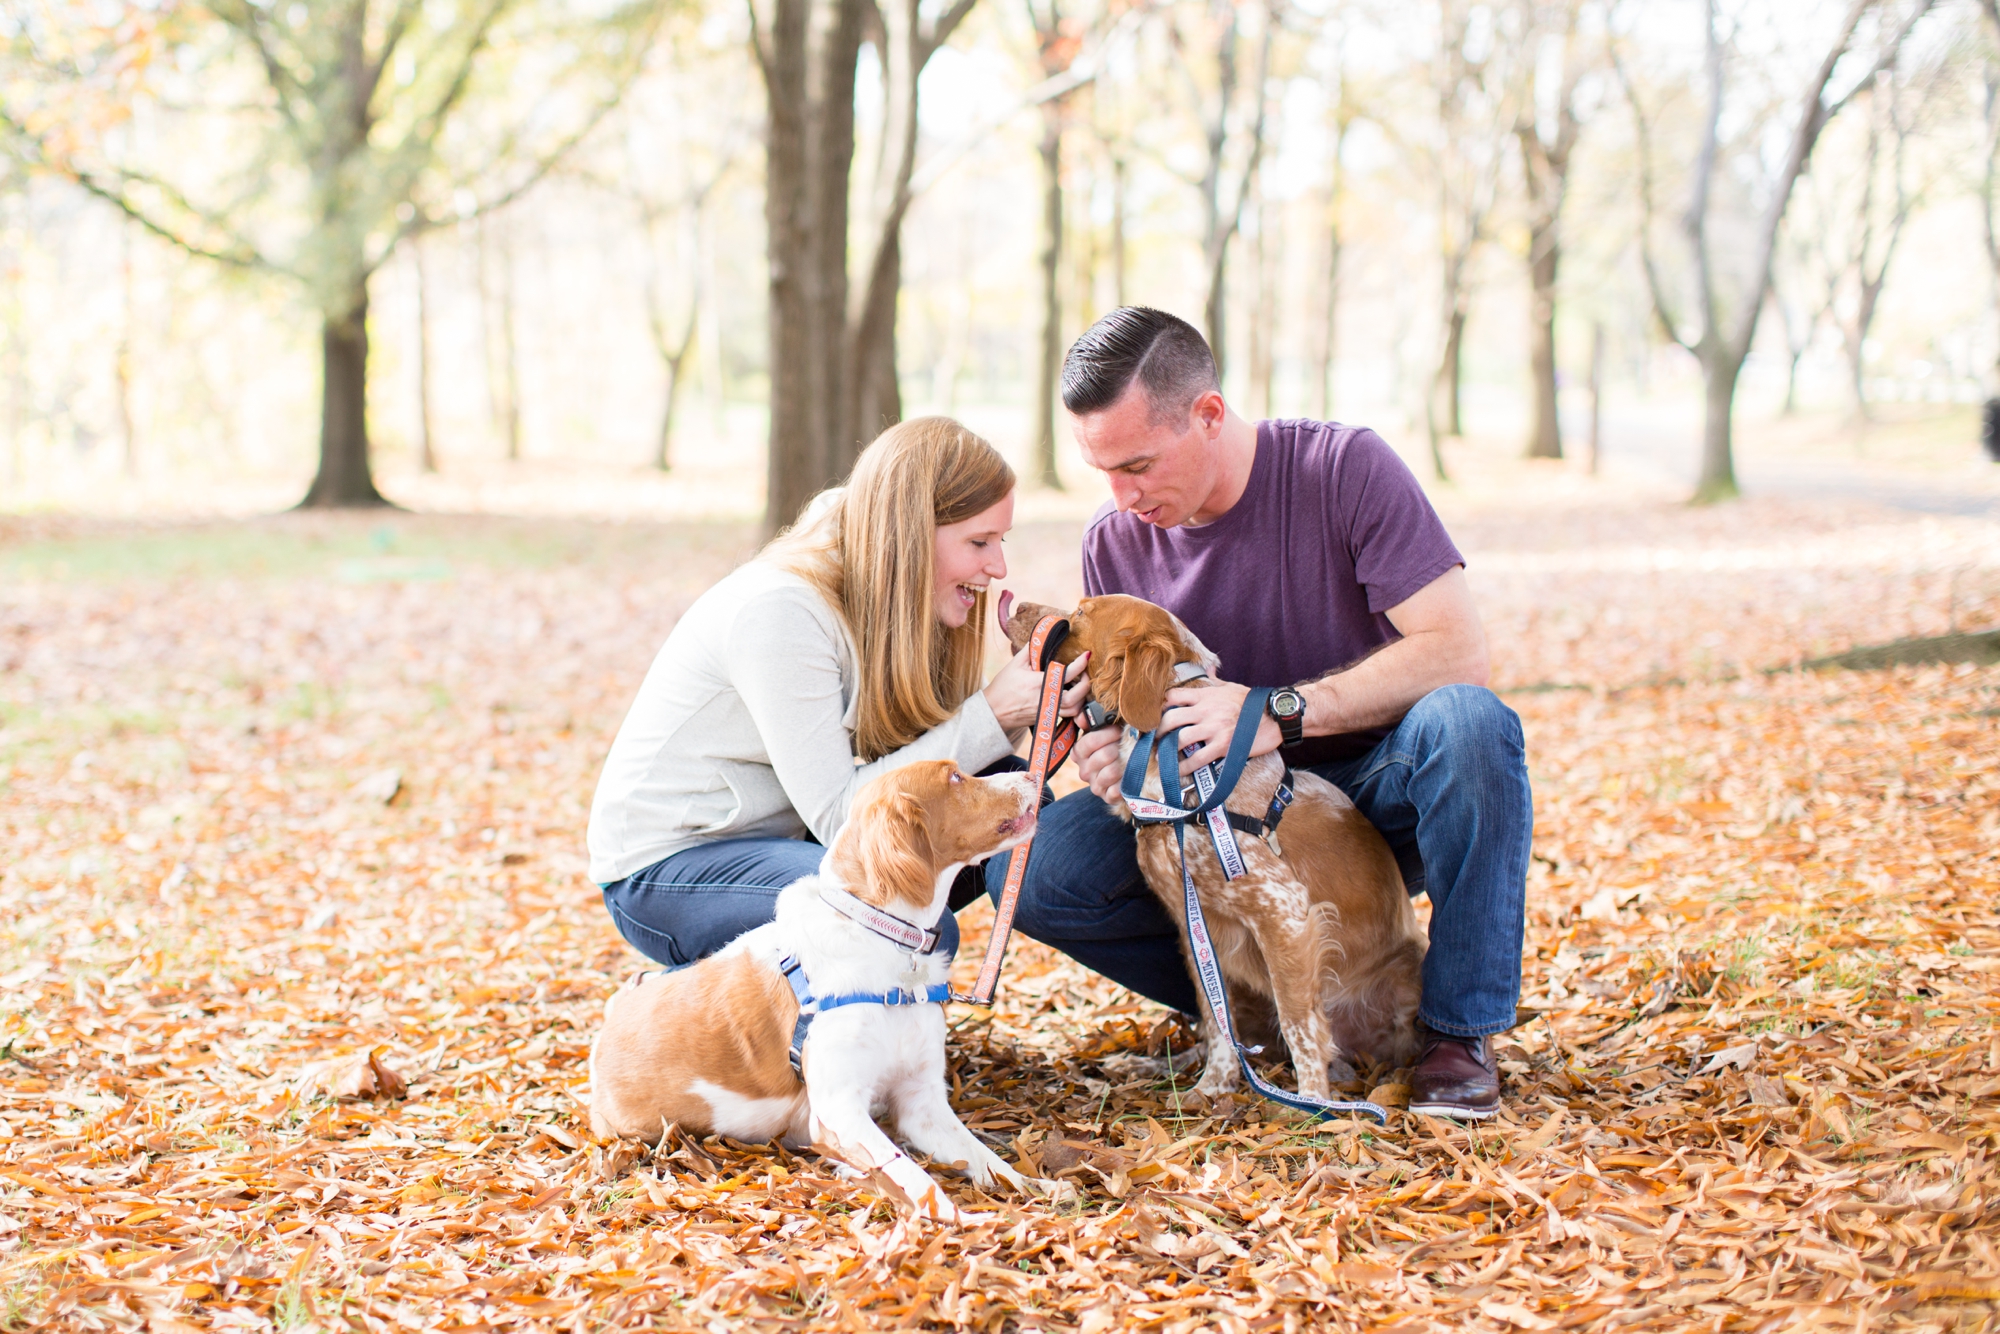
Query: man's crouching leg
[1450, 784]
[1085, 896]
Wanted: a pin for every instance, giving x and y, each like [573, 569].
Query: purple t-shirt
[1292, 581]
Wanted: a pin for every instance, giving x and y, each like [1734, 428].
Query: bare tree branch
[939, 32]
[1813, 118]
[760, 49]
[246, 19]
[397, 28]
[425, 129]
[1085, 69]
[1642, 134]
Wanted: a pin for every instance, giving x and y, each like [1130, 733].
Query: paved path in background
[1646, 441]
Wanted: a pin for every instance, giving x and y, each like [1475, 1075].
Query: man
[1305, 555]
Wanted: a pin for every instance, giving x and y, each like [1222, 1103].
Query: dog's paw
[1219, 1080]
[1339, 1071]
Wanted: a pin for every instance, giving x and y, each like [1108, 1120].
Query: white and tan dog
[707, 1048]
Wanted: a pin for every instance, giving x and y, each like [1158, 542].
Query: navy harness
[886, 925]
[1211, 790]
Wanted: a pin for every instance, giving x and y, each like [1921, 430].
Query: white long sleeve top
[744, 728]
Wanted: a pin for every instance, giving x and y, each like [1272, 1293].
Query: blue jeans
[1448, 789]
[686, 907]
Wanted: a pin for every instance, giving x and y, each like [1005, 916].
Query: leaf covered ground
[299, 966]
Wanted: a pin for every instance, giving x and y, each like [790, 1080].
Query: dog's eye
[958, 778]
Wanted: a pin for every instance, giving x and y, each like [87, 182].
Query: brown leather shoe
[1456, 1077]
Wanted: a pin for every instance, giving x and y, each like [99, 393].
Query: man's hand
[1097, 763]
[1207, 717]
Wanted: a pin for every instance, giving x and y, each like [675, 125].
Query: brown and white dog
[706, 1048]
[1319, 927]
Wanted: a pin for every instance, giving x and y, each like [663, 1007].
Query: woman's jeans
[686, 907]
[1448, 789]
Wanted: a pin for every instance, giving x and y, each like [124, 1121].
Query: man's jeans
[1448, 789]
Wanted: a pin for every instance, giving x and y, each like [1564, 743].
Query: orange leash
[1055, 737]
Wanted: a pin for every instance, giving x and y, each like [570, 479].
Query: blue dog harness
[1213, 789]
[886, 925]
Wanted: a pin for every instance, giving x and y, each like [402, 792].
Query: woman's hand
[1015, 692]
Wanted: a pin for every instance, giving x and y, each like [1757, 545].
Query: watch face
[1287, 704]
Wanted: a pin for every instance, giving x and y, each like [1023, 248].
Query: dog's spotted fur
[1319, 936]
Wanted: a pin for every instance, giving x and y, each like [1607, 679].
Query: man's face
[1161, 470]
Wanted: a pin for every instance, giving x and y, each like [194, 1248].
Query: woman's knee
[655, 944]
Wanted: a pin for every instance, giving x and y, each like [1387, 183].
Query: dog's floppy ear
[1146, 674]
[889, 841]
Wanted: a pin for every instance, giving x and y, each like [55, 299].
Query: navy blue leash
[1211, 796]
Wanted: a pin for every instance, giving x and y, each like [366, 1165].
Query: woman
[850, 645]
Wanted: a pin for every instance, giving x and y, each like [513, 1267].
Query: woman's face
[968, 558]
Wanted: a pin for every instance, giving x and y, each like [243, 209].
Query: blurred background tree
[740, 238]
[346, 126]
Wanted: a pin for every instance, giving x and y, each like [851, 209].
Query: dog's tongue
[1006, 605]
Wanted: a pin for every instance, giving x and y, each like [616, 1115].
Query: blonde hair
[870, 549]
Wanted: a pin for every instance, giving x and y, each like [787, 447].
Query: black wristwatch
[1288, 707]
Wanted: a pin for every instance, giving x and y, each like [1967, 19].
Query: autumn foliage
[298, 967]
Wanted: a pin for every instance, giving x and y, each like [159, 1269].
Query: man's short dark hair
[1163, 352]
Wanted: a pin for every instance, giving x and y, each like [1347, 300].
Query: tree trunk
[833, 364]
[15, 319]
[1051, 346]
[1851, 344]
[677, 360]
[128, 434]
[1330, 327]
[1719, 371]
[1989, 189]
[1264, 314]
[1864, 319]
[1596, 393]
[1219, 226]
[831, 140]
[426, 447]
[344, 480]
[1119, 168]
[663, 456]
[1545, 441]
[509, 350]
[1725, 342]
[807, 58]
[1441, 403]
[878, 393]
[1452, 373]
[1215, 311]
[1545, 170]
[794, 464]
